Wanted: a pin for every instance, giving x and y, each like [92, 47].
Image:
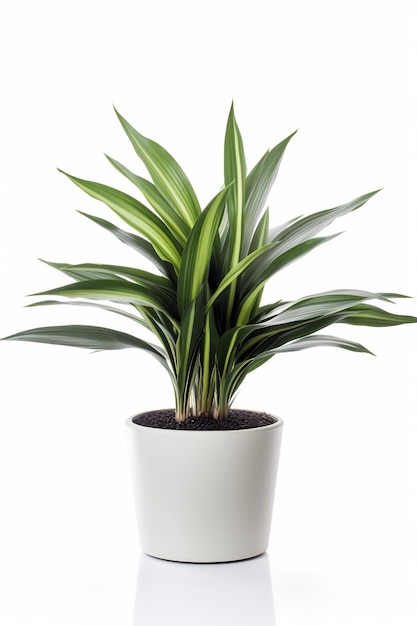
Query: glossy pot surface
[204, 496]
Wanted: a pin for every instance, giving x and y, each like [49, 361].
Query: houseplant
[204, 306]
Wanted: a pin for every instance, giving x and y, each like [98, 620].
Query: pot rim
[279, 423]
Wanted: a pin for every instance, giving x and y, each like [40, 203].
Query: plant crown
[204, 303]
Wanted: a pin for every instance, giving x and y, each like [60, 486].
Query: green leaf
[209, 365]
[236, 271]
[195, 262]
[137, 215]
[258, 185]
[274, 257]
[304, 316]
[167, 212]
[121, 291]
[226, 348]
[370, 315]
[260, 236]
[88, 271]
[264, 339]
[250, 306]
[165, 331]
[135, 242]
[99, 305]
[320, 305]
[90, 337]
[238, 373]
[190, 336]
[235, 175]
[167, 175]
[77, 274]
[308, 226]
[326, 341]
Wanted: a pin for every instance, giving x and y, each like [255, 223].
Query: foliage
[204, 301]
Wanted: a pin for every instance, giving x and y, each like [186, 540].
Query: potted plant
[204, 473]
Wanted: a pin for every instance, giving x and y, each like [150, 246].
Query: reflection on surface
[232, 594]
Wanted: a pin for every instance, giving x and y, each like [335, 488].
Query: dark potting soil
[236, 420]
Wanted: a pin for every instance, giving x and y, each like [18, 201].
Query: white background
[344, 538]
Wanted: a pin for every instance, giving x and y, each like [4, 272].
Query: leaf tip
[373, 193]
[65, 173]
[120, 117]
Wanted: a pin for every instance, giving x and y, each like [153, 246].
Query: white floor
[343, 547]
[260, 591]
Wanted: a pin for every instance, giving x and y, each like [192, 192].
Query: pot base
[244, 558]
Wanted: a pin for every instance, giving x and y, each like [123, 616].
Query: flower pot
[204, 496]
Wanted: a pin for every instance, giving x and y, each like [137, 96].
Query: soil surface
[236, 420]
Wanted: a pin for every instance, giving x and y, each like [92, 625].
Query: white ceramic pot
[204, 496]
